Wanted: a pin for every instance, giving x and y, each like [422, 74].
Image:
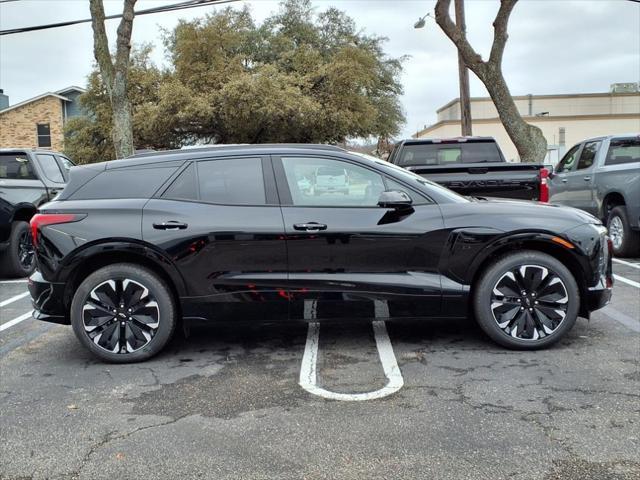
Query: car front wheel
[526, 300]
[123, 313]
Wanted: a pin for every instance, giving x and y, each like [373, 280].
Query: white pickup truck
[602, 176]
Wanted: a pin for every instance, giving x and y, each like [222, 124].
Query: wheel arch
[538, 243]
[23, 212]
[87, 261]
[609, 202]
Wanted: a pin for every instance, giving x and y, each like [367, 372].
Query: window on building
[44, 135]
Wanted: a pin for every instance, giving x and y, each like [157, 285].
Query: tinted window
[124, 183]
[50, 168]
[569, 161]
[623, 151]
[16, 166]
[588, 155]
[44, 135]
[352, 185]
[234, 181]
[443, 154]
[184, 187]
[393, 185]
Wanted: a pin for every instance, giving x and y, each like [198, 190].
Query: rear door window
[50, 168]
[623, 151]
[16, 166]
[232, 181]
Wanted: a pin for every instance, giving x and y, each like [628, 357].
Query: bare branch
[472, 59]
[123, 42]
[500, 35]
[101, 42]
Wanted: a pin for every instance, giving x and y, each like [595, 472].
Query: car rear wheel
[526, 300]
[626, 242]
[18, 260]
[123, 313]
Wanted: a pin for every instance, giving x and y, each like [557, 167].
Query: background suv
[132, 247]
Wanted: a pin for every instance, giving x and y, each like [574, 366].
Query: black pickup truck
[472, 166]
[28, 178]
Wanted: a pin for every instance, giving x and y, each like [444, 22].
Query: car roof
[610, 137]
[210, 151]
[28, 150]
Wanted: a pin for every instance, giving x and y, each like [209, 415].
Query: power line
[148, 11]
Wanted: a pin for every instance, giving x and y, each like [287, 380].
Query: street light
[463, 73]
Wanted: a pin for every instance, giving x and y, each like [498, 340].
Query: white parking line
[22, 280]
[308, 377]
[623, 318]
[13, 299]
[15, 321]
[622, 279]
[628, 264]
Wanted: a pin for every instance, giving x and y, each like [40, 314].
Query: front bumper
[47, 299]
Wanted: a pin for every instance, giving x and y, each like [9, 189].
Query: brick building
[39, 121]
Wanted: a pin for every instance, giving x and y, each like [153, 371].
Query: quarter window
[233, 181]
[184, 187]
[588, 155]
[44, 135]
[51, 168]
[325, 182]
[623, 151]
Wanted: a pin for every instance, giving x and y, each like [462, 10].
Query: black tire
[626, 242]
[18, 260]
[551, 318]
[128, 282]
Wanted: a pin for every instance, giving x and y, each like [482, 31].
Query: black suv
[131, 247]
[28, 179]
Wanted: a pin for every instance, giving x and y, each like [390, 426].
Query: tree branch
[101, 42]
[123, 42]
[458, 37]
[500, 35]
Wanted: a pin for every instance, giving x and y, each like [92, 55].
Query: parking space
[408, 399]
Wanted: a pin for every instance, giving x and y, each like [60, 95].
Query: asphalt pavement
[431, 399]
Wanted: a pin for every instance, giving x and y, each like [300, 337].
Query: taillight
[544, 185]
[42, 219]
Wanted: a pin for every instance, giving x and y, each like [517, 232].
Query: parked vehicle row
[131, 247]
[28, 179]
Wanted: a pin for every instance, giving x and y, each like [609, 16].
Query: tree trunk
[115, 74]
[528, 139]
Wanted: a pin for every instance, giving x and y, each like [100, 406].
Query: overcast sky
[555, 46]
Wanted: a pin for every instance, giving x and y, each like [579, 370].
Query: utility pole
[463, 73]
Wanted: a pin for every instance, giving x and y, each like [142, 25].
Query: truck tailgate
[498, 179]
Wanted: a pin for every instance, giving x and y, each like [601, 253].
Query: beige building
[563, 119]
[39, 121]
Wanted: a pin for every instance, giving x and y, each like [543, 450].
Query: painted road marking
[15, 321]
[628, 264]
[13, 299]
[623, 318]
[22, 280]
[308, 374]
[622, 279]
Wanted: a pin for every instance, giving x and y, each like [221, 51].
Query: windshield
[425, 185]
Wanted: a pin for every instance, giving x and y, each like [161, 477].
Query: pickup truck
[472, 166]
[602, 176]
[28, 178]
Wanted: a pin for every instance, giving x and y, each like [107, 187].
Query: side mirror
[394, 199]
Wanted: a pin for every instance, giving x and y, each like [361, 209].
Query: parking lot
[248, 401]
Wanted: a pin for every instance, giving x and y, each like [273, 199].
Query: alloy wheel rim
[616, 231]
[26, 254]
[529, 302]
[121, 316]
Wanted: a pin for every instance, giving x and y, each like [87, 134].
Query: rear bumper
[48, 300]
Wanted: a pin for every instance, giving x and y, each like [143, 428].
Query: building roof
[556, 95]
[57, 94]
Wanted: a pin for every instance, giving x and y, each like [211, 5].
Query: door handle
[587, 178]
[564, 180]
[170, 225]
[309, 227]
